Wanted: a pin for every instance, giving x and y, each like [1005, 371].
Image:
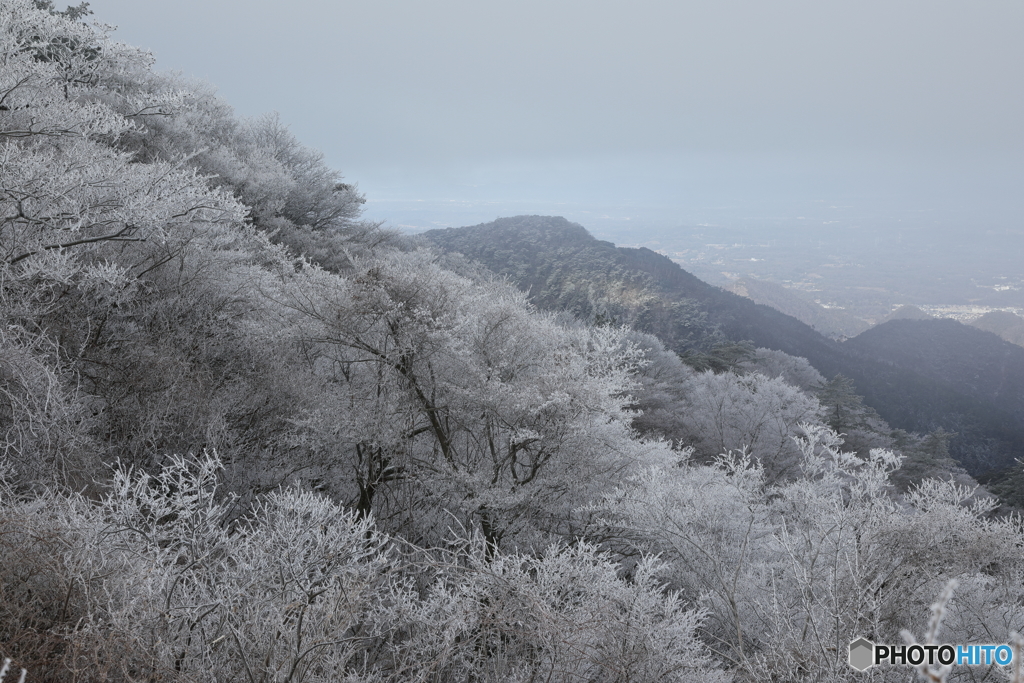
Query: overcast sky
[658, 103]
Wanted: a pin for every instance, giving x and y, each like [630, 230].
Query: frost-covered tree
[461, 398]
[153, 581]
[565, 616]
[662, 381]
[137, 292]
[752, 412]
[791, 574]
[83, 229]
[794, 370]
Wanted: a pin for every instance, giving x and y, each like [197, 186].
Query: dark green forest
[249, 436]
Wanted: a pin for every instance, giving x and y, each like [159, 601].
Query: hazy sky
[666, 104]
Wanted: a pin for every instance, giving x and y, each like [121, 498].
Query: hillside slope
[979, 363]
[982, 374]
[563, 267]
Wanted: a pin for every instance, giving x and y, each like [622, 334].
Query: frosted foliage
[42, 426]
[289, 190]
[752, 412]
[82, 196]
[456, 396]
[281, 596]
[660, 394]
[564, 617]
[451, 440]
[791, 574]
[793, 370]
[64, 187]
[46, 63]
[158, 583]
[84, 233]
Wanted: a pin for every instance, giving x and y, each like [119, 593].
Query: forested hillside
[248, 436]
[562, 267]
[981, 366]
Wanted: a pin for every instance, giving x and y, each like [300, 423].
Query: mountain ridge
[563, 267]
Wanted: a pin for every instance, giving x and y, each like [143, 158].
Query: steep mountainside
[563, 267]
[980, 364]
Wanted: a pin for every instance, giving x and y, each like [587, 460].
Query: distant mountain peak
[533, 227]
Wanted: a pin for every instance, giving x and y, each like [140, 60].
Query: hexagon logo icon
[861, 654]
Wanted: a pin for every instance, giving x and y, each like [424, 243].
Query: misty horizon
[872, 146]
[661, 113]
